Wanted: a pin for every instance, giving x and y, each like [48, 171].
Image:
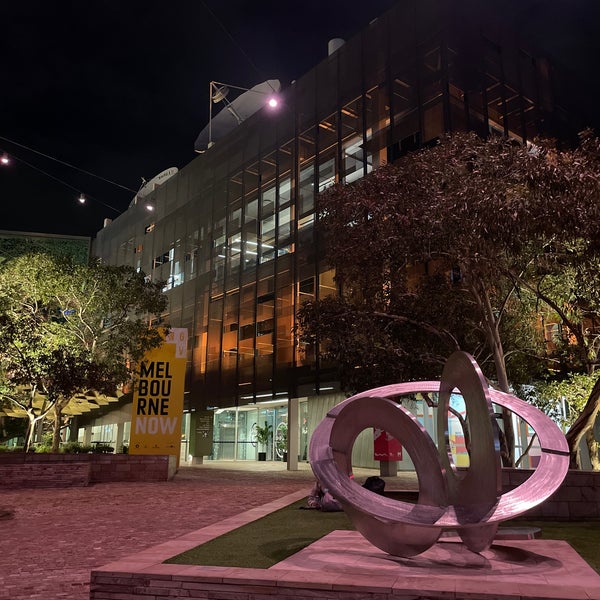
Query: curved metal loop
[473, 505]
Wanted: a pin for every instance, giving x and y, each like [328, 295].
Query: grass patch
[275, 537]
[266, 541]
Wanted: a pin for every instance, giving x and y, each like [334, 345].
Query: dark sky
[120, 89]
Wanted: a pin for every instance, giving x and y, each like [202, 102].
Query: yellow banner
[158, 398]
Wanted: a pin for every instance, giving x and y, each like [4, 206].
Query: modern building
[233, 233]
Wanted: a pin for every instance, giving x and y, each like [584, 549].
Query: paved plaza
[56, 536]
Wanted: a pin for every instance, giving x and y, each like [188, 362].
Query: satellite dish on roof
[234, 112]
[150, 186]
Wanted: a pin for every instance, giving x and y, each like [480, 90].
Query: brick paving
[57, 536]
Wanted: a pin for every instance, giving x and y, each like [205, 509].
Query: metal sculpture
[469, 501]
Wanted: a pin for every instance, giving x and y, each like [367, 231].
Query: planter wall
[576, 499]
[20, 470]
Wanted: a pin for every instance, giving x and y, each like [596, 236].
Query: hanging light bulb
[82, 199]
[5, 159]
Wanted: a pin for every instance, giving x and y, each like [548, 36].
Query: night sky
[121, 89]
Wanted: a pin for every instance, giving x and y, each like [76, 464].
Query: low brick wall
[45, 474]
[63, 470]
[578, 497]
[132, 467]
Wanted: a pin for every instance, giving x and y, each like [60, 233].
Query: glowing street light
[5, 160]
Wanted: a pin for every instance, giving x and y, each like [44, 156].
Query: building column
[73, 430]
[388, 468]
[293, 448]
[87, 435]
[119, 442]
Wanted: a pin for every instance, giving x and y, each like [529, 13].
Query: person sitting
[320, 499]
[375, 484]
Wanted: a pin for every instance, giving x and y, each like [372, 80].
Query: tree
[68, 329]
[493, 219]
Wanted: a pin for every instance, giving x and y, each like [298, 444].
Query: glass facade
[232, 234]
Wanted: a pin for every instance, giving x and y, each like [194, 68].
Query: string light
[66, 164]
[82, 199]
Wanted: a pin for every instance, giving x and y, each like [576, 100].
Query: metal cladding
[468, 501]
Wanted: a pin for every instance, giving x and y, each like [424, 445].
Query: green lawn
[269, 540]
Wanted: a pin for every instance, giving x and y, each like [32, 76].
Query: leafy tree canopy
[470, 243]
[68, 329]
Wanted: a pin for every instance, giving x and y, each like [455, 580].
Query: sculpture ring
[470, 502]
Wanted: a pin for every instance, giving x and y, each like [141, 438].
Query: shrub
[103, 449]
[75, 448]
[4, 448]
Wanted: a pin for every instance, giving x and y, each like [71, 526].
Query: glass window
[267, 202]
[268, 166]
[234, 247]
[306, 189]
[351, 134]
[251, 214]
[285, 225]
[267, 239]
[251, 249]
[251, 179]
[328, 134]
[285, 191]
[377, 123]
[326, 174]
[352, 159]
[235, 219]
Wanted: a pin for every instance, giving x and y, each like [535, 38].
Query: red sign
[385, 447]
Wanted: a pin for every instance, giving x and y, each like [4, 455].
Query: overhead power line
[66, 164]
[63, 182]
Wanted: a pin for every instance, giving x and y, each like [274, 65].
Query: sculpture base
[515, 569]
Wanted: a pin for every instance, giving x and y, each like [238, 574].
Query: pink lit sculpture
[468, 501]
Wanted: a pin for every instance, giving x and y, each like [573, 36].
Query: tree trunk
[31, 428]
[593, 446]
[56, 430]
[583, 424]
[491, 323]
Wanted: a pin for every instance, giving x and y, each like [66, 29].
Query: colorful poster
[158, 398]
[385, 447]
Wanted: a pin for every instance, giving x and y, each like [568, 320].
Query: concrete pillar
[293, 448]
[120, 432]
[87, 435]
[73, 430]
[388, 468]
